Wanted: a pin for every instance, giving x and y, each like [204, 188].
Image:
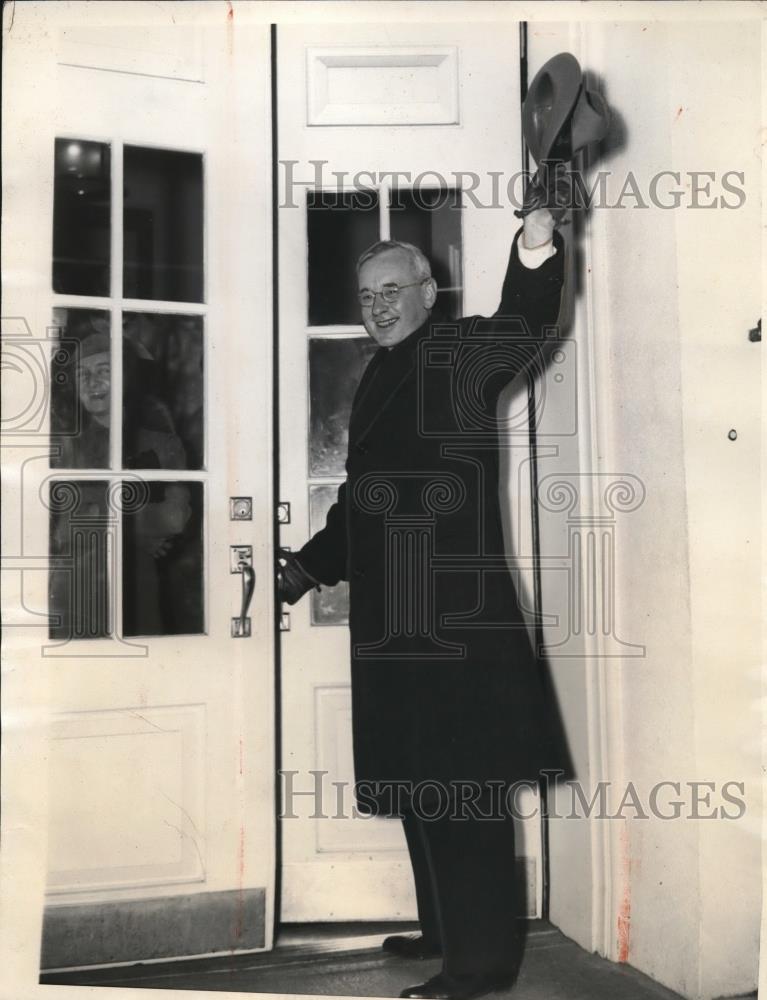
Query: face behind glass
[93, 385]
[388, 323]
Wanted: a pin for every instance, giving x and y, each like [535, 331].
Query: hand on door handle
[292, 579]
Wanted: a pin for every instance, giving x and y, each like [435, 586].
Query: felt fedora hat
[560, 115]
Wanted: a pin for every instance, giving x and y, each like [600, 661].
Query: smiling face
[93, 385]
[390, 322]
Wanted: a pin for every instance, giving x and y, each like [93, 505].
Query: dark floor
[347, 961]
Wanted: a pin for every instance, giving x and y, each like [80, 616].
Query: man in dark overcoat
[447, 705]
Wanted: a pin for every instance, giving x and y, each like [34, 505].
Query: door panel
[434, 110]
[155, 330]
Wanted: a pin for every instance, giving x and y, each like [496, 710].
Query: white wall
[672, 296]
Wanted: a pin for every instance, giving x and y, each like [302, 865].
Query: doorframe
[275, 472]
[274, 50]
[603, 686]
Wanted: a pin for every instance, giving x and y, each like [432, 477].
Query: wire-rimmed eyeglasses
[389, 293]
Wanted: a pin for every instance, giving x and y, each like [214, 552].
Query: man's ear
[429, 293]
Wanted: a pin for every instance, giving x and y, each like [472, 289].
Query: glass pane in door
[78, 591]
[335, 369]
[81, 217]
[430, 218]
[80, 389]
[163, 391]
[330, 605]
[162, 225]
[340, 226]
[162, 570]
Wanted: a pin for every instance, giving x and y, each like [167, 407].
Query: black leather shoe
[410, 946]
[443, 987]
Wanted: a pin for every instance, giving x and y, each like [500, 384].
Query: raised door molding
[413, 85]
[333, 728]
[127, 799]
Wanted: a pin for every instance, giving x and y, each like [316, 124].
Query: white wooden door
[138, 219]
[440, 105]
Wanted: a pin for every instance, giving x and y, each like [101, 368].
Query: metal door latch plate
[240, 554]
[240, 629]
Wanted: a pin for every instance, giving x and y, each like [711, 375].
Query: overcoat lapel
[387, 371]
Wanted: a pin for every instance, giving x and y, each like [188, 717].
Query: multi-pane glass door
[324, 350]
[140, 223]
[128, 435]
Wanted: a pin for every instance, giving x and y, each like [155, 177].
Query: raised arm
[512, 340]
[535, 274]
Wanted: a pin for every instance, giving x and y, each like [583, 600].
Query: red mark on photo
[624, 912]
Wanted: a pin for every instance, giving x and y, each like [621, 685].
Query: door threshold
[295, 941]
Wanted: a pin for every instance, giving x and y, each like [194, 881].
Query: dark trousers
[465, 888]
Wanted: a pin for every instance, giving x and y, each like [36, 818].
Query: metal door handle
[241, 625]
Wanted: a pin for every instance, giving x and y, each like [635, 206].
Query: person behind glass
[81, 400]
[449, 701]
[80, 438]
[81, 417]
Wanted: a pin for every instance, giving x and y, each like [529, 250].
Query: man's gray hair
[418, 259]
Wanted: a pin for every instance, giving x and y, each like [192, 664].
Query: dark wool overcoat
[445, 687]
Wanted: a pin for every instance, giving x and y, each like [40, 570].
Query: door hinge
[283, 512]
